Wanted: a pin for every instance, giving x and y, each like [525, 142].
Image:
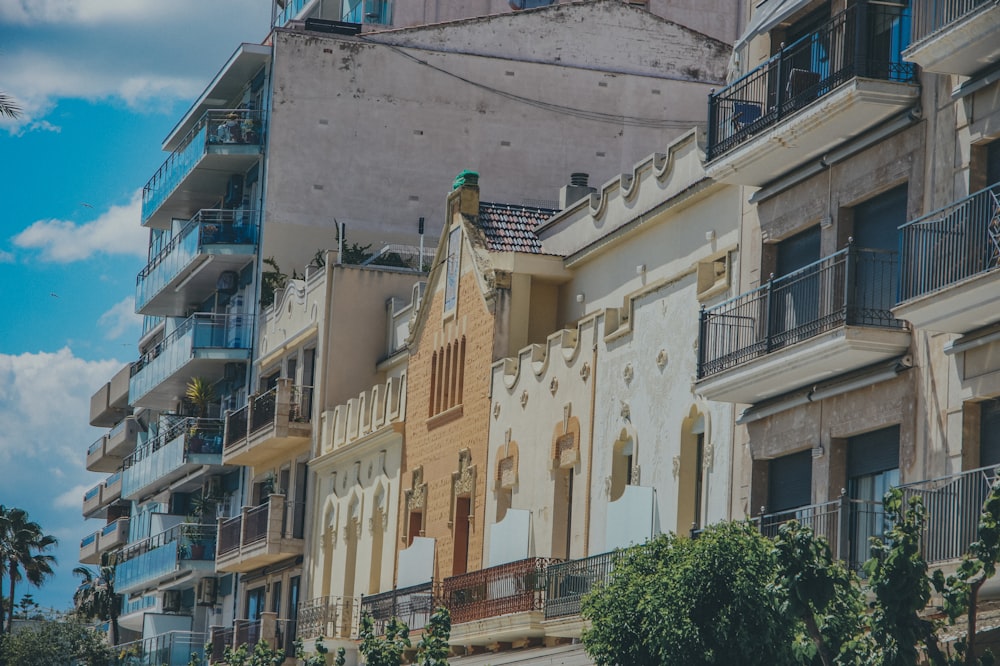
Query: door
[795, 298]
[876, 241]
[789, 487]
[872, 469]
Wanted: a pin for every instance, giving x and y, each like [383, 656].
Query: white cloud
[120, 319]
[6, 257]
[114, 232]
[72, 498]
[145, 53]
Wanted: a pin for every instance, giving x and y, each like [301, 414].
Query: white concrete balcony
[823, 320]
[110, 402]
[112, 489]
[113, 535]
[796, 107]
[955, 36]
[88, 549]
[122, 437]
[93, 501]
[949, 277]
[99, 459]
[261, 535]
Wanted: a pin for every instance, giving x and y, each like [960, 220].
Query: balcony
[261, 535]
[825, 319]
[955, 36]
[222, 143]
[88, 549]
[180, 449]
[368, 12]
[109, 404]
[121, 439]
[181, 550]
[200, 346]
[414, 605]
[190, 268]
[272, 424]
[174, 648]
[949, 278]
[567, 584]
[830, 85]
[99, 459]
[279, 634]
[113, 535]
[330, 617]
[954, 504]
[92, 501]
[514, 591]
[112, 489]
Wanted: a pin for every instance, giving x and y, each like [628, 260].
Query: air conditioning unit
[172, 601]
[207, 591]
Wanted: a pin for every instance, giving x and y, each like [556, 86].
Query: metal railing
[216, 128]
[865, 40]
[515, 587]
[413, 605]
[854, 287]
[246, 632]
[330, 617]
[954, 504]
[948, 245]
[285, 632]
[255, 523]
[174, 648]
[229, 535]
[929, 16]
[568, 582]
[236, 426]
[263, 410]
[163, 554]
[207, 227]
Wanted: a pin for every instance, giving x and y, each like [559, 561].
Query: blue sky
[101, 82]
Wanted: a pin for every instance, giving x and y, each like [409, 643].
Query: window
[872, 469]
[789, 482]
[451, 277]
[447, 377]
[993, 163]
[989, 433]
[255, 603]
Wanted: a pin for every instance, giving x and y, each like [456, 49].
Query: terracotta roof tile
[510, 228]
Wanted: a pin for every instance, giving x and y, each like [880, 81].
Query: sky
[100, 84]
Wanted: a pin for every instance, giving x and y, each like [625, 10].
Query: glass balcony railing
[151, 560]
[175, 648]
[218, 131]
[372, 12]
[200, 331]
[291, 10]
[205, 233]
[852, 287]
[143, 603]
[149, 324]
[92, 494]
[952, 244]
[862, 41]
[188, 442]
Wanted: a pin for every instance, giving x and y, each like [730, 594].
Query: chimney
[465, 194]
[576, 190]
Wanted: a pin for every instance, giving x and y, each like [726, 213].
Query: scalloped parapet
[382, 406]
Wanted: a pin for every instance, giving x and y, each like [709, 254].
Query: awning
[766, 15]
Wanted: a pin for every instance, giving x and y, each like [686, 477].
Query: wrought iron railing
[330, 617]
[236, 426]
[568, 582]
[246, 632]
[954, 505]
[946, 246]
[413, 605]
[865, 40]
[853, 287]
[509, 588]
[929, 16]
[263, 410]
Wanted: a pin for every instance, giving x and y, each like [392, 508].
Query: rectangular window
[789, 482]
[451, 277]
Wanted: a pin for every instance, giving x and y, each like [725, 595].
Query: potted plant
[200, 392]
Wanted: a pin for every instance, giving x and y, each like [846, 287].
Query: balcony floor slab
[958, 308]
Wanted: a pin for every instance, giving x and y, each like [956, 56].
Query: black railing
[236, 426]
[568, 582]
[854, 286]
[862, 41]
[951, 244]
[229, 535]
[413, 605]
[929, 16]
[263, 410]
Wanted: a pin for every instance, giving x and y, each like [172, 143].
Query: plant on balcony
[318, 658]
[433, 648]
[271, 280]
[260, 654]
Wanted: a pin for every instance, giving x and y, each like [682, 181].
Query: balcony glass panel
[854, 287]
[188, 441]
[291, 10]
[929, 16]
[158, 556]
[862, 41]
[373, 12]
[175, 648]
[92, 494]
[215, 131]
[205, 233]
[200, 331]
[951, 244]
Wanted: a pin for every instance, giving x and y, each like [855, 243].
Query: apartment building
[270, 166]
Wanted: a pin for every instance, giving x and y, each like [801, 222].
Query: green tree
[49, 642]
[271, 281]
[23, 554]
[8, 107]
[384, 650]
[318, 658]
[432, 650]
[260, 654]
[95, 597]
[676, 601]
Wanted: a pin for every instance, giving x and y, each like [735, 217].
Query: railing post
[779, 93]
[850, 267]
[702, 331]
[861, 65]
[844, 528]
[768, 316]
[713, 115]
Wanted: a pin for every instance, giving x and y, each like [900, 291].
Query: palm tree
[22, 551]
[200, 392]
[96, 596]
[8, 107]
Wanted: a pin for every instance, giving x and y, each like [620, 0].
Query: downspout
[590, 451]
